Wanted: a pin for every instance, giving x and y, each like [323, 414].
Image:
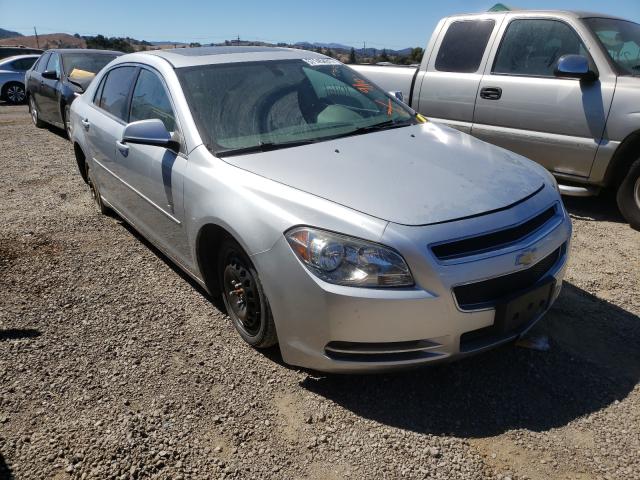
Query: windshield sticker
[361, 85]
[389, 106]
[314, 62]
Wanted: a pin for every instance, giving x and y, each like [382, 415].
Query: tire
[33, 111]
[66, 120]
[628, 196]
[95, 193]
[244, 297]
[14, 93]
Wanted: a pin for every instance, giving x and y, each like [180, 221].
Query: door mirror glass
[149, 132]
[50, 74]
[574, 66]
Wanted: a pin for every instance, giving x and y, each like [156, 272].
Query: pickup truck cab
[559, 87]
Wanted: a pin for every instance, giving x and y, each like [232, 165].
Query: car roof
[83, 50]
[187, 57]
[565, 13]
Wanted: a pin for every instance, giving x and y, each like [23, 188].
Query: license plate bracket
[517, 311]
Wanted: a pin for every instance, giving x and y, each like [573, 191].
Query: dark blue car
[57, 77]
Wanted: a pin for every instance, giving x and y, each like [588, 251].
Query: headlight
[348, 261]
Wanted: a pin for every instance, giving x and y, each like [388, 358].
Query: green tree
[352, 56]
[384, 56]
[416, 55]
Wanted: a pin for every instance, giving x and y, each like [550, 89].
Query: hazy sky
[391, 24]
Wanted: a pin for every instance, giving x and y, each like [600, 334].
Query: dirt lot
[113, 365]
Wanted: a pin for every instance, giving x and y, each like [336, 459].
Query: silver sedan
[329, 217]
[12, 71]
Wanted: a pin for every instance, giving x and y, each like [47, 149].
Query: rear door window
[115, 91]
[463, 46]
[532, 47]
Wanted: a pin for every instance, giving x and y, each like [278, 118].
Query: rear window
[463, 46]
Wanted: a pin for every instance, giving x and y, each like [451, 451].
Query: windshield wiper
[262, 147]
[376, 127]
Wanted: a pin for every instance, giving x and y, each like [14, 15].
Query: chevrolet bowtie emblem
[527, 257]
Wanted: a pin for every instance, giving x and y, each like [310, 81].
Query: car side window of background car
[115, 91]
[532, 47]
[54, 64]
[23, 63]
[150, 100]
[463, 46]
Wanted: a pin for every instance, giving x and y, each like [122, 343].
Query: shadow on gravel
[18, 333]
[5, 472]
[600, 208]
[177, 270]
[594, 361]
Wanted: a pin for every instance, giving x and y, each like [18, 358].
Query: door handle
[491, 93]
[123, 148]
[85, 124]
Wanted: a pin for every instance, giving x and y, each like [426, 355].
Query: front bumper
[344, 329]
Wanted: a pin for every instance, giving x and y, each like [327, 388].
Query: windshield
[82, 65]
[244, 106]
[621, 40]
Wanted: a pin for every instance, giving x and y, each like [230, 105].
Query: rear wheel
[244, 298]
[95, 193]
[33, 111]
[14, 93]
[628, 196]
[67, 121]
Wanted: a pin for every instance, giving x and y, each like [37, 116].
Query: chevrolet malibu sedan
[329, 217]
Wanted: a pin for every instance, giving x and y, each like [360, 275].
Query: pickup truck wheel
[244, 298]
[628, 196]
[95, 193]
[33, 111]
[13, 92]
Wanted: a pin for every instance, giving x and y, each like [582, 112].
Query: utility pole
[238, 39]
[37, 39]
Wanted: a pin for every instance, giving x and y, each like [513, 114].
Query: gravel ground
[114, 365]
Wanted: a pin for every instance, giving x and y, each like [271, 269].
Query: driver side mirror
[575, 66]
[50, 74]
[150, 132]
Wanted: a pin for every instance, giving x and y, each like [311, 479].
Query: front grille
[493, 240]
[488, 292]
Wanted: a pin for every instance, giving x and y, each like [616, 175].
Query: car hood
[415, 175]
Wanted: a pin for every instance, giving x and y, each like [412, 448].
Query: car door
[522, 106]
[48, 95]
[34, 77]
[448, 86]
[155, 173]
[104, 124]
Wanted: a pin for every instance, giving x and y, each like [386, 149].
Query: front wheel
[244, 298]
[14, 93]
[628, 196]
